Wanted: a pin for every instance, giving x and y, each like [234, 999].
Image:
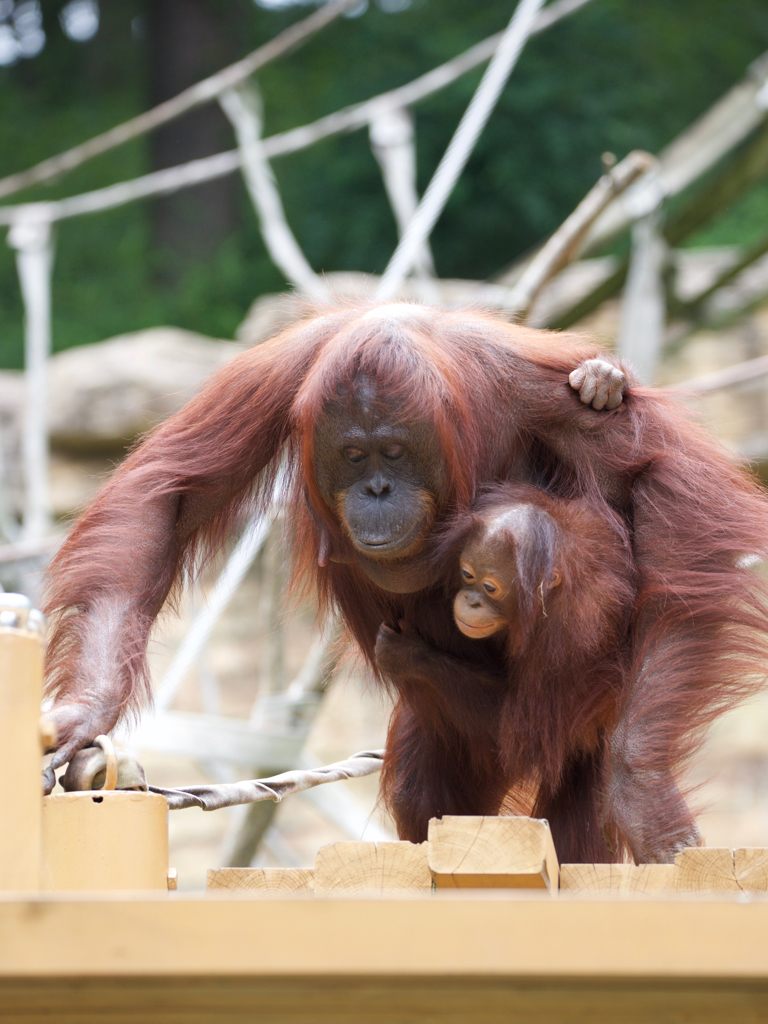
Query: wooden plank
[245, 1000]
[261, 881]
[636, 880]
[751, 868]
[705, 869]
[485, 852]
[372, 867]
[505, 935]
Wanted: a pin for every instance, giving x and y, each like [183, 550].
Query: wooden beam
[751, 869]
[485, 852]
[705, 869]
[261, 881]
[505, 935]
[21, 688]
[203, 999]
[621, 879]
[372, 867]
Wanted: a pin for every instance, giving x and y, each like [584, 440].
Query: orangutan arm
[175, 500]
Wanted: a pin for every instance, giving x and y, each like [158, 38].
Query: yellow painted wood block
[105, 839]
[21, 675]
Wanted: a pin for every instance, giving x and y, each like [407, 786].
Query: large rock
[103, 396]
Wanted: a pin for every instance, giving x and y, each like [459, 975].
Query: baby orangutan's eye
[490, 588]
[467, 575]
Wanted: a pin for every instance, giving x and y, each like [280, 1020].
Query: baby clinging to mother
[390, 421]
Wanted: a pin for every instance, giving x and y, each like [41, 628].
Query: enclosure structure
[480, 922]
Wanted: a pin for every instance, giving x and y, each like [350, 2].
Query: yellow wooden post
[21, 674]
[105, 838]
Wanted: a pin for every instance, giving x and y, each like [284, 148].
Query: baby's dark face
[487, 600]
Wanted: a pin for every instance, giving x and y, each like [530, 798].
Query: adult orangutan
[389, 419]
[547, 586]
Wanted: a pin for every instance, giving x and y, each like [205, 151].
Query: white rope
[243, 108]
[33, 242]
[393, 143]
[348, 119]
[460, 147]
[195, 96]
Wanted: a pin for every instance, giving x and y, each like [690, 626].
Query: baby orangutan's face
[487, 601]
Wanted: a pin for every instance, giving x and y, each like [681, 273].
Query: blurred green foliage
[617, 75]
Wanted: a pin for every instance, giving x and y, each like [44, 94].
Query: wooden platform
[479, 923]
[456, 956]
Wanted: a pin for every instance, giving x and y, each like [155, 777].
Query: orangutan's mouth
[478, 632]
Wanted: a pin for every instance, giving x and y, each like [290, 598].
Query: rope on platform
[228, 794]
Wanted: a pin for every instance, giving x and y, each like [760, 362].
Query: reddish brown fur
[498, 395]
[566, 669]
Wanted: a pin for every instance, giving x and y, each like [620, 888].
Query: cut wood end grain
[491, 852]
[751, 869]
[621, 879]
[261, 881]
[372, 867]
[705, 869]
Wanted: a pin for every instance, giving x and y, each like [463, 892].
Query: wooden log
[623, 879]
[751, 868]
[702, 869]
[391, 868]
[492, 853]
[261, 881]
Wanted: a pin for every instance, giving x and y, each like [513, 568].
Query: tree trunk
[186, 41]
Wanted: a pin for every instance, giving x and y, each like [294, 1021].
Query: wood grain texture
[261, 881]
[751, 869]
[372, 867]
[458, 1000]
[504, 935]
[485, 852]
[624, 880]
[705, 869]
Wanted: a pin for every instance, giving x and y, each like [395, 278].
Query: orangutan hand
[599, 383]
[77, 725]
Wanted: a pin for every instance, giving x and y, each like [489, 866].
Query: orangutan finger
[588, 388]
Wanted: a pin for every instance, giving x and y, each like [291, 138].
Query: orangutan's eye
[394, 451]
[467, 575]
[490, 588]
[354, 454]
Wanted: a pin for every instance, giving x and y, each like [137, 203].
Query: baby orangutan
[492, 566]
[550, 582]
[517, 545]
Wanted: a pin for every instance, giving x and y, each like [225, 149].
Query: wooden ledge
[505, 934]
